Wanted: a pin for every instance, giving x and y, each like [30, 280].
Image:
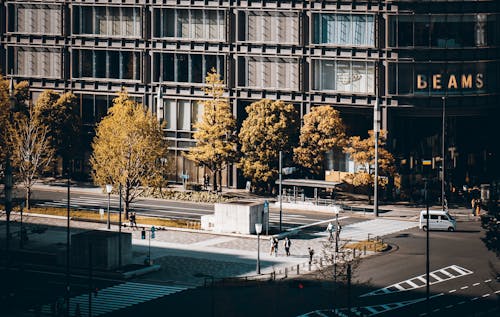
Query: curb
[139, 272]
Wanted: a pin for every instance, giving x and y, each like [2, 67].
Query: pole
[108, 222]
[258, 253]
[149, 249]
[21, 236]
[68, 244]
[90, 280]
[120, 229]
[443, 153]
[8, 182]
[376, 130]
[337, 233]
[427, 264]
[349, 273]
[280, 185]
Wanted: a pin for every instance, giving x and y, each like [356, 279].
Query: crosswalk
[117, 297]
[437, 276]
[377, 227]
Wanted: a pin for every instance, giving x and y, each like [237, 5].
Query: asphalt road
[173, 209]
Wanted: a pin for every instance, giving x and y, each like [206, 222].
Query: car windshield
[450, 217]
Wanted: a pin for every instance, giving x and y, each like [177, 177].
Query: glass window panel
[182, 67]
[88, 109]
[371, 78]
[211, 62]
[222, 25]
[405, 31]
[170, 107]
[101, 23]
[344, 76]
[168, 67]
[422, 26]
[87, 20]
[128, 21]
[169, 22]
[128, 65]
[212, 21]
[87, 63]
[358, 77]
[328, 29]
[196, 68]
[115, 64]
[197, 24]
[184, 115]
[344, 29]
[327, 73]
[370, 30]
[359, 26]
[99, 64]
[183, 23]
[114, 19]
[196, 113]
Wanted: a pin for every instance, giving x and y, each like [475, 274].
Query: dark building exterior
[417, 58]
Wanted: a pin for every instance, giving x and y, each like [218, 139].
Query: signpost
[266, 216]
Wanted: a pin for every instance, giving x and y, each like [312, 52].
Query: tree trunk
[214, 177]
[126, 201]
[28, 196]
[220, 180]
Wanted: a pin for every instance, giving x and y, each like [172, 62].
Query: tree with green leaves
[362, 152]
[270, 126]
[31, 150]
[127, 149]
[323, 131]
[216, 132]
[59, 113]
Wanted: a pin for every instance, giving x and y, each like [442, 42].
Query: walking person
[311, 254]
[133, 223]
[275, 243]
[287, 243]
[330, 230]
[271, 246]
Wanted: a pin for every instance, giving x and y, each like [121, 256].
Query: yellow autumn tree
[215, 134]
[270, 126]
[362, 152]
[323, 130]
[127, 149]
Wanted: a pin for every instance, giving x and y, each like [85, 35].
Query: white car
[439, 220]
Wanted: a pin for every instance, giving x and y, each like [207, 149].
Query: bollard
[298, 266]
[364, 249]
[309, 266]
[286, 272]
[321, 262]
[354, 252]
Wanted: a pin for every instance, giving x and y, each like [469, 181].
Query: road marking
[475, 298]
[496, 292]
[485, 295]
[460, 303]
[476, 284]
[452, 291]
[487, 281]
[452, 271]
[464, 287]
[449, 306]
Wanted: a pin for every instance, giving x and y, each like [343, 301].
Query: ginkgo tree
[58, 112]
[215, 134]
[362, 152]
[270, 127]
[127, 149]
[323, 130]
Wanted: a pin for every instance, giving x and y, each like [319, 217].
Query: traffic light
[143, 234]
[153, 229]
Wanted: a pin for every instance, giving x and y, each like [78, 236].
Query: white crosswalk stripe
[447, 273]
[377, 227]
[118, 297]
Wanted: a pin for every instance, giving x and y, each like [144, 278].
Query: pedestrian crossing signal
[143, 234]
[153, 232]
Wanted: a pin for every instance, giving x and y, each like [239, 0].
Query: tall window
[37, 62]
[182, 114]
[190, 68]
[272, 73]
[35, 19]
[107, 21]
[344, 76]
[107, 64]
[269, 27]
[344, 29]
[196, 24]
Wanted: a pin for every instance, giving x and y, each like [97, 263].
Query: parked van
[439, 220]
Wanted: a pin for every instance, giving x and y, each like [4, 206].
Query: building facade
[419, 59]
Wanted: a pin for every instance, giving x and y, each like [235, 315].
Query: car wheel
[424, 228]
[451, 229]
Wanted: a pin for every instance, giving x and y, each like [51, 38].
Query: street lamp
[120, 228]
[336, 210]
[109, 188]
[443, 153]
[258, 230]
[376, 131]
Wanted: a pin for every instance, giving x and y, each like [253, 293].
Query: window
[444, 31]
[194, 24]
[347, 76]
[106, 64]
[186, 68]
[277, 73]
[182, 114]
[344, 29]
[37, 62]
[36, 19]
[107, 21]
[270, 27]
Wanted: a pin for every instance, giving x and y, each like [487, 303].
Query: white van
[439, 220]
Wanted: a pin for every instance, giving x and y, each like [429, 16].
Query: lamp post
[109, 188]
[427, 260]
[258, 230]
[8, 179]
[280, 187]
[376, 131]
[68, 243]
[120, 228]
[443, 153]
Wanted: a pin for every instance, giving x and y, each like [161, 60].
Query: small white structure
[237, 217]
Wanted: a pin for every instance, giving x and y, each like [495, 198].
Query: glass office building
[415, 57]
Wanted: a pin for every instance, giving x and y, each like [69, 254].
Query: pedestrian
[311, 253]
[330, 230]
[271, 242]
[275, 243]
[206, 181]
[473, 206]
[133, 223]
[478, 207]
[287, 243]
